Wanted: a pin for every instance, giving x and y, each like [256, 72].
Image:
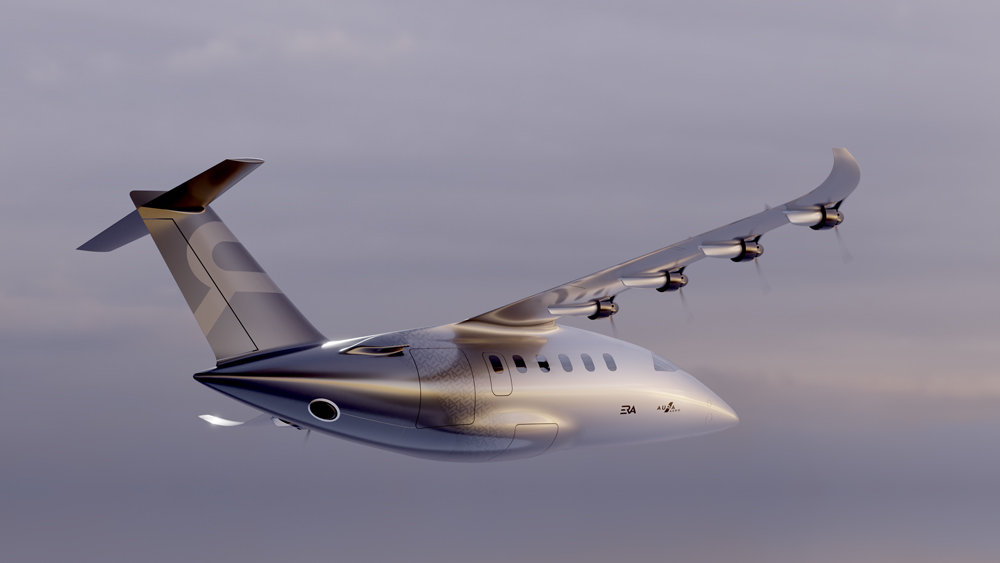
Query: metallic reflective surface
[830, 219]
[675, 282]
[584, 310]
[598, 309]
[447, 392]
[805, 217]
[360, 350]
[422, 404]
[642, 282]
[605, 308]
[819, 219]
[748, 251]
[725, 249]
[667, 281]
[841, 182]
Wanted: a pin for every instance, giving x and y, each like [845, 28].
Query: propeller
[687, 308]
[614, 327]
[684, 302]
[845, 254]
[308, 432]
[764, 286]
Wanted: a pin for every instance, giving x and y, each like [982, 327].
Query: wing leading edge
[600, 286]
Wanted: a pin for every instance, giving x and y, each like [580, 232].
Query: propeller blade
[764, 287]
[308, 431]
[687, 308]
[614, 327]
[845, 254]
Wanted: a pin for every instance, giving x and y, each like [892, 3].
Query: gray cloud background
[430, 161]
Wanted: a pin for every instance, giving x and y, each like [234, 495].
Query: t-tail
[240, 310]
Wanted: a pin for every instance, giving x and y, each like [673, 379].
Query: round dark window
[324, 410]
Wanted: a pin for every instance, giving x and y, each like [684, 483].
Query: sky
[427, 162]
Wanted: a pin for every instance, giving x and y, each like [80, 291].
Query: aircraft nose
[711, 413]
[720, 415]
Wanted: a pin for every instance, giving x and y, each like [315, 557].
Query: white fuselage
[471, 393]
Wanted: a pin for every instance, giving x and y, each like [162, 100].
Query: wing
[592, 295]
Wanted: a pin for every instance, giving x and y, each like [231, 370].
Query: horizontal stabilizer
[194, 195]
[214, 420]
[261, 420]
[190, 197]
[128, 229]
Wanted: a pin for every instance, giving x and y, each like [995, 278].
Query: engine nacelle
[665, 281]
[817, 219]
[735, 250]
[831, 218]
[748, 251]
[601, 309]
[674, 281]
[605, 308]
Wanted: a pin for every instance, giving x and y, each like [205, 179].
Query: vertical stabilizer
[239, 308]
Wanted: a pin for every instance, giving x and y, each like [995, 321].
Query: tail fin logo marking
[202, 261]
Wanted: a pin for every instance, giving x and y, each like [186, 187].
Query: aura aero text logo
[669, 407]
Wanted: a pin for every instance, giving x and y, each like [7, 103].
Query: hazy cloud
[213, 54]
[46, 72]
[337, 45]
[230, 53]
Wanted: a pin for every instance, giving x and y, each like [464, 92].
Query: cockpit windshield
[662, 364]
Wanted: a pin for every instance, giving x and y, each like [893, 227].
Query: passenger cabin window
[566, 364]
[587, 362]
[662, 364]
[611, 362]
[543, 364]
[496, 363]
[519, 364]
